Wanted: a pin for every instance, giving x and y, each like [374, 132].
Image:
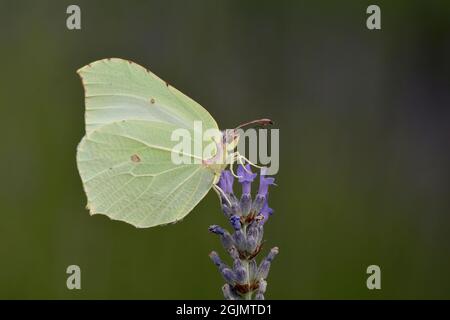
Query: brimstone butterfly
[124, 159]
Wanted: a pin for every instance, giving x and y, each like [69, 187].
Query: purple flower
[246, 178]
[226, 182]
[264, 183]
[266, 211]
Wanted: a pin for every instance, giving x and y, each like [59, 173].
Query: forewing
[117, 89]
[128, 174]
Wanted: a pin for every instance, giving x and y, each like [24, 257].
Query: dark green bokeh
[363, 118]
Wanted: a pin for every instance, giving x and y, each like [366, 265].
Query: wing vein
[171, 192]
[152, 146]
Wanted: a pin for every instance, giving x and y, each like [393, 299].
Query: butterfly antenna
[259, 122]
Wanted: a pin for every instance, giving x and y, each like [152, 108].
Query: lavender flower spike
[245, 280]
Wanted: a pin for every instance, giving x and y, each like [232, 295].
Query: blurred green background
[364, 128]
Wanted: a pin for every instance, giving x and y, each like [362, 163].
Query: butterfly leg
[241, 158]
[242, 163]
[234, 157]
[221, 194]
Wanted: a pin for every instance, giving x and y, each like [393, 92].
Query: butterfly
[125, 159]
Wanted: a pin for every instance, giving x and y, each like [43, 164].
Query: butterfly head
[226, 145]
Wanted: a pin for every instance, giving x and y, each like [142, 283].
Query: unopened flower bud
[216, 260]
[235, 222]
[253, 269]
[228, 275]
[240, 271]
[263, 270]
[253, 236]
[239, 240]
[233, 253]
[227, 240]
[273, 252]
[262, 286]
[227, 211]
[251, 244]
[229, 293]
[258, 204]
[225, 237]
[216, 229]
[245, 204]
